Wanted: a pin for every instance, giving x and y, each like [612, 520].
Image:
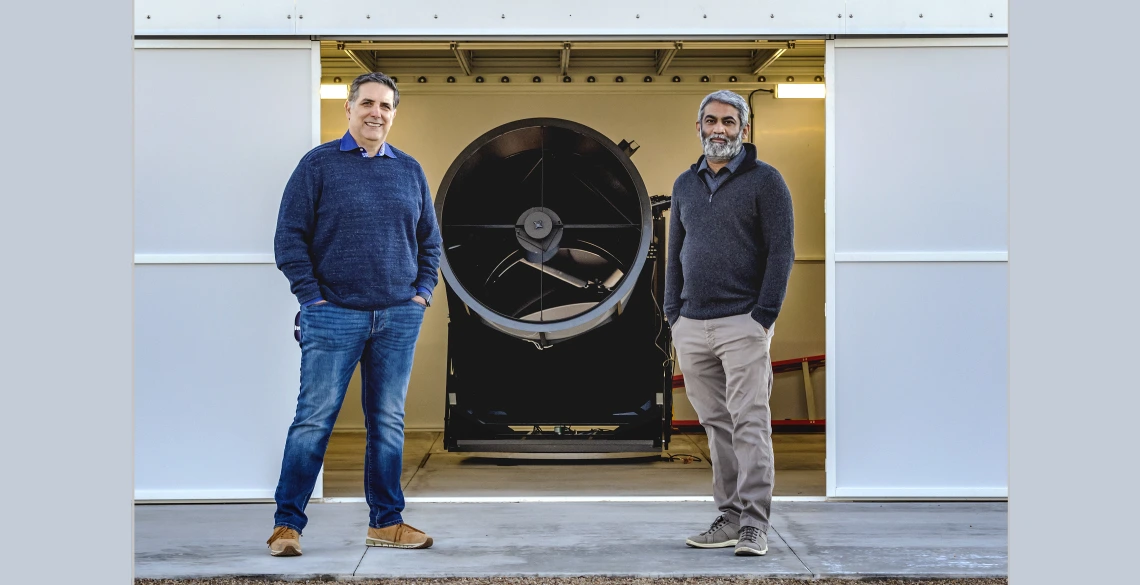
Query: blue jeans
[333, 340]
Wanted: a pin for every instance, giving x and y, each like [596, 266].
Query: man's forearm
[299, 272]
[778, 225]
[674, 276]
[430, 244]
[290, 245]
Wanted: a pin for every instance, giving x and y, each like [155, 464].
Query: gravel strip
[590, 581]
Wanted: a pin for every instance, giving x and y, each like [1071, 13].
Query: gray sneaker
[720, 534]
[752, 542]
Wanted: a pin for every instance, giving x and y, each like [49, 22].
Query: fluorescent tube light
[334, 92]
[800, 90]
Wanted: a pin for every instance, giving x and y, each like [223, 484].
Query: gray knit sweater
[730, 252]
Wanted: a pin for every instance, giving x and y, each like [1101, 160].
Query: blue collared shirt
[714, 181]
[348, 144]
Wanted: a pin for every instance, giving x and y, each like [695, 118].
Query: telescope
[553, 263]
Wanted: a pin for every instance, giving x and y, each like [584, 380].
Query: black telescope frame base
[523, 445]
[608, 390]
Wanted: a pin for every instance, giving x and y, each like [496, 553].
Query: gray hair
[733, 99]
[375, 77]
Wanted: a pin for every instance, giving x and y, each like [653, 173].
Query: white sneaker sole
[696, 544]
[390, 544]
[747, 551]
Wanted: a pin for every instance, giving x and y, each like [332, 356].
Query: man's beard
[722, 152]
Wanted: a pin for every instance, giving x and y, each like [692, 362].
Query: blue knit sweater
[359, 232]
[730, 252]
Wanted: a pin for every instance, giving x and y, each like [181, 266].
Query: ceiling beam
[560, 45]
[395, 46]
[666, 57]
[365, 61]
[461, 56]
[761, 63]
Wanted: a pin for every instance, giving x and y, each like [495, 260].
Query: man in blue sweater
[730, 256]
[357, 239]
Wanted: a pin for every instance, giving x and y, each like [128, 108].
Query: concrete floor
[431, 472]
[642, 539]
[667, 499]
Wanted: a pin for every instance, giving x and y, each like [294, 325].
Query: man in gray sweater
[730, 256]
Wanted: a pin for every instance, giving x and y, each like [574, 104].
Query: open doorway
[646, 92]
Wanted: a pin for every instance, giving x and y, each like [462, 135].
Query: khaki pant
[728, 378]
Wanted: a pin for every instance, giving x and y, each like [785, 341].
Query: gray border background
[65, 367]
[1073, 295]
[68, 277]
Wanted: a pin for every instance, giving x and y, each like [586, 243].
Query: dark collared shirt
[714, 181]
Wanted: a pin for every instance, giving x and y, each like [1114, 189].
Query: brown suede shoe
[285, 542]
[397, 536]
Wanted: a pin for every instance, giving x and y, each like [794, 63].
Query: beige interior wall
[435, 125]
